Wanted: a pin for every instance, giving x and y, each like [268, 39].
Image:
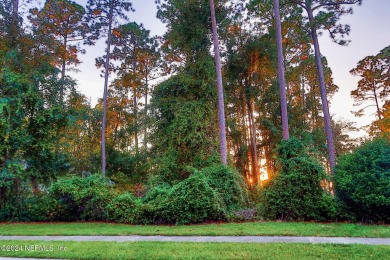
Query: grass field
[169, 250]
[233, 229]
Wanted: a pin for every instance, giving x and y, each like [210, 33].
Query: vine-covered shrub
[230, 185]
[193, 201]
[362, 181]
[190, 201]
[81, 198]
[124, 208]
[296, 192]
[39, 208]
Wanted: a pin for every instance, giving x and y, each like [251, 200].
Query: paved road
[240, 239]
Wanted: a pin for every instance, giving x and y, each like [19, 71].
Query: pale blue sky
[370, 33]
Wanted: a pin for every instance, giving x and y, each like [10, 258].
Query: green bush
[30, 208]
[362, 182]
[124, 208]
[229, 184]
[39, 208]
[153, 204]
[7, 213]
[296, 192]
[81, 198]
[190, 201]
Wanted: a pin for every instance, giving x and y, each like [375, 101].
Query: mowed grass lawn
[170, 250]
[232, 229]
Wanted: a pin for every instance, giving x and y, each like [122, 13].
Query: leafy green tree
[185, 105]
[31, 113]
[362, 180]
[296, 192]
[31, 117]
[184, 132]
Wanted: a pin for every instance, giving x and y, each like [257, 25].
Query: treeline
[160, 133]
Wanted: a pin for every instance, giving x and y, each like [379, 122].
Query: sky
[370, 33]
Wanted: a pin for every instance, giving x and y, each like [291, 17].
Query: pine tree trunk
[136, 120]
[325, 108]
[63, 69]
[252, 132]
[221, 107]
[281, 77]
[15, 22]
[135, 98]
[107, 65]
[146, 107]
[376, 102]
[15, 12]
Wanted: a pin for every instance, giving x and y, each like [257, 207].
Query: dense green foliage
[209, 194]
[124, 208]
[190, 201]
[30, 208]
[229, 185]
[162, 138]
[296, 192]
[185, 131]
[362, 181]
[81, 198]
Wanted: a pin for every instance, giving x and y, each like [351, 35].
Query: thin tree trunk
[135, 98]
[303, 90]
[281, 77]
[15, 21]
[146, 107]
[116, 130]
[376, 102]
[325, 107]
[34, 185]
[252, 132]
[15, 12]
[221, 107]
[107, 65]
[63, 68]
[136, 120]
[303, 101]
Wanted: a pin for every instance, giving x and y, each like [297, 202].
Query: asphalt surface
[236, 239]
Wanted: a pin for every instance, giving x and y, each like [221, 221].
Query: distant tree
[64, 21]
[325, 15]
[374, 84]
[103, 16]
[381, 127]
[136, 52]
